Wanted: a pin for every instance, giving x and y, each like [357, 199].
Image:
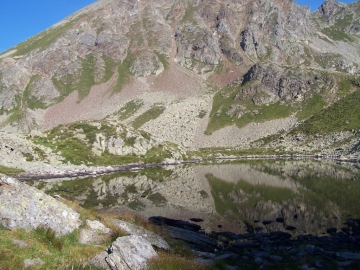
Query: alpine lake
[243, 196]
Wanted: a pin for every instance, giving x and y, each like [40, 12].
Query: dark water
[305, 196]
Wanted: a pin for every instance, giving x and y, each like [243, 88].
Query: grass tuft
[151, 114]
[9, 170]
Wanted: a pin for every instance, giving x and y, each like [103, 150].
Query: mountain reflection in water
[255, 196]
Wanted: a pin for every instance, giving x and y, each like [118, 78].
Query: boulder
[32, 262]
[128, 252]
[95, 233]
[150, 236]
[25, 207]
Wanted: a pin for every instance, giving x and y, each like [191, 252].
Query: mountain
[198, 74]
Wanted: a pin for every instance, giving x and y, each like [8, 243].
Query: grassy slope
[225, 98]
[64, 141]
[341, 116]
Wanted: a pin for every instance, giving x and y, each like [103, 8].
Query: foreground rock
[25, 207]
[94, 233]
[154, 239]
[128, 252]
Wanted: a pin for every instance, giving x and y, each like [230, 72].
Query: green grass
[345, 21]
[157, 198]
[124, 74]
[336, 34]
[156, 154]
[87, 79]
[64, 140]
[15, 116]
[343, 115]
[311, 106]
[56, 252]
[189, 15]
[110, 68]
[326, 60]
[31, 101]
[9, 170]
[202, 114]
[163, 59]
[213, 152]
[129, 109]
[83, 81]
[225, 98]
[344, 87]
[150, 114]
[44, 39]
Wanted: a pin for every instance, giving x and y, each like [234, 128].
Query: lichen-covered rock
[267, 83]
[150, 236]
[32, 262]
[196, 44]
[95, 233]
[25, 207]
[146, 64]
[128, 252]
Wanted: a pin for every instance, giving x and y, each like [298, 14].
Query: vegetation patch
[84, 79]
[336, 34]
[151, 114]
[157, 198]
[157, 154]
[31, 101]
[129, 109]
[189, 16]
[63, 140]
[43, 40]
[311, 106]
[63, 252]
[224, 99]
[124, 74]
[164, 59]
[219, 152]
[110, 68]
[202, 114]
[9, 170]
[343, 115]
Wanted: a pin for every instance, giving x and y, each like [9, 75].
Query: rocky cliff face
[95, 62]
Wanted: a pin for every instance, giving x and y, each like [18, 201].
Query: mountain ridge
[198, 74]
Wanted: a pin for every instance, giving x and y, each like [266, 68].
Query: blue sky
[22, 19]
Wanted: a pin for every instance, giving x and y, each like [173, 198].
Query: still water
[298, 196]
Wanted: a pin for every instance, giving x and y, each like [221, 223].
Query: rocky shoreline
[272, 250]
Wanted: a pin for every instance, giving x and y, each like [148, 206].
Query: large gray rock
[128, 252]
[25, 207]
[95, 233]
[150, 236]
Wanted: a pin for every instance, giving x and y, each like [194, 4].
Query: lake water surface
[298, 196]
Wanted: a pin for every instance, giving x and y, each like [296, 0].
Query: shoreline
[81, 170]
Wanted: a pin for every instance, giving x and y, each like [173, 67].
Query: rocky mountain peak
[149, 55]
